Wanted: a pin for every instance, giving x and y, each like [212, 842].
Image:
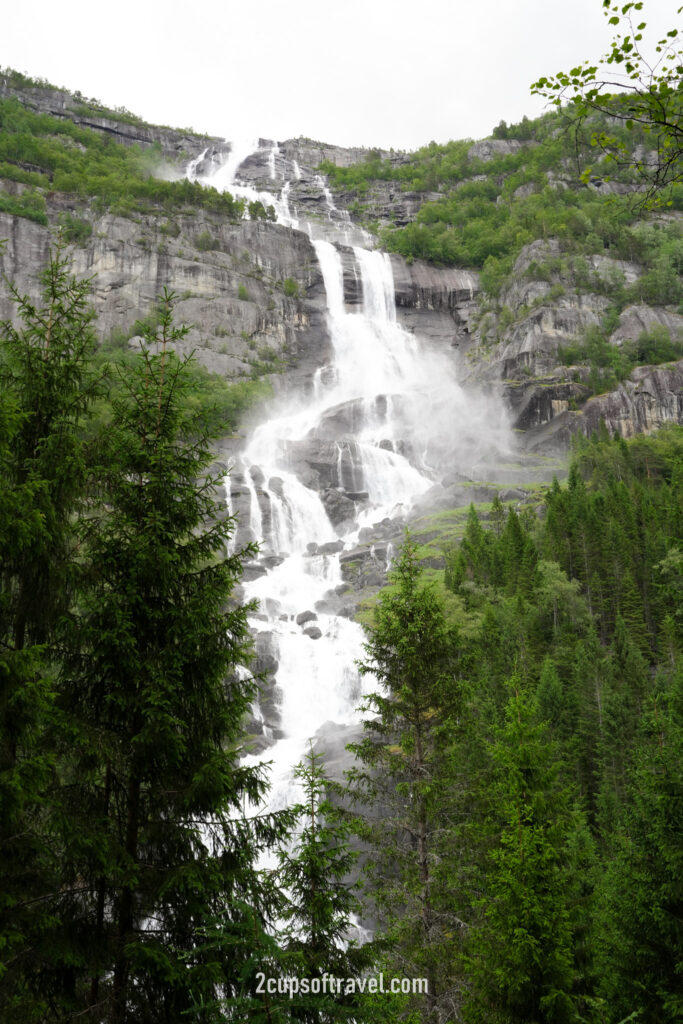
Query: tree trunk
[126, 902]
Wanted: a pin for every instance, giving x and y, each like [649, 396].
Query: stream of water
[390, 389]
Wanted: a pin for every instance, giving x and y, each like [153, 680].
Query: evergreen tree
[641, 939]
[404, 777]
[314, 872]
[522, 952]
[46, 368]
[46, 386]
[152, 792]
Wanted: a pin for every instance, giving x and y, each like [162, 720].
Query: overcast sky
[361, 72]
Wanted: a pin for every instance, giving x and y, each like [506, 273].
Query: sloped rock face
[229, 280]
[232, 296]
[541, 310]
[421, 286]
[639, 319]
[649, 398]
[174, 143]
[487, 149]
[532, 345]
[436, 303]
[534, 403]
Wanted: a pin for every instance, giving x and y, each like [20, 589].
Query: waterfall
[393, 392]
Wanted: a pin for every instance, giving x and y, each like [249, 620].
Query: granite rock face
[651, 397]
[542, 310]
[640, 319]
[231, 297]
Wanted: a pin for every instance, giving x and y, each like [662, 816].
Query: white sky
[363, 72]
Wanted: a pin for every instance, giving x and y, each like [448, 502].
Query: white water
[399, 392]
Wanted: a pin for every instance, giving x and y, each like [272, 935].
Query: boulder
[340, 509]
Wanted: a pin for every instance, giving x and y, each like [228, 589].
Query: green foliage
[242, 293]
[569, 865]
[403, 767]
[69, 158]
[120, 797]
[641, 947]
[18, 80]
[484, 215]
[641, 97]
[522, 954]
[74, 230]
[153, 730]
[320, 902]
[257, 211]
[205, 242]
[291, 288]
[28, 204]
[611, 364]
[46, 388]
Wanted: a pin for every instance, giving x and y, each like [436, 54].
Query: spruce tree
[321, 902]
[152, 792]
[46, 387]
[641, 892]
[403, 777]
[522, 950]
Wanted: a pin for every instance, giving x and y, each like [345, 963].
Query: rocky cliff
[253, 295]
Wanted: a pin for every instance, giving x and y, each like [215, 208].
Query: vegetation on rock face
[490, 208]
[42, 152]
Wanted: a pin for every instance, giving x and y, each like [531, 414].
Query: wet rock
[347, 419]
[650, 397]
[313, 632]
[513, 494]
[316, 461]
[303, 617]
[421, 286]
[271, 561]
[535, 402]
[128, 275]
[331, 547]
[265, 662]
[340, 509]
[450, 479]
[365, 566]
[253, 571]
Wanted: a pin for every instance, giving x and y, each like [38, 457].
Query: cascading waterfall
[390, 382]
